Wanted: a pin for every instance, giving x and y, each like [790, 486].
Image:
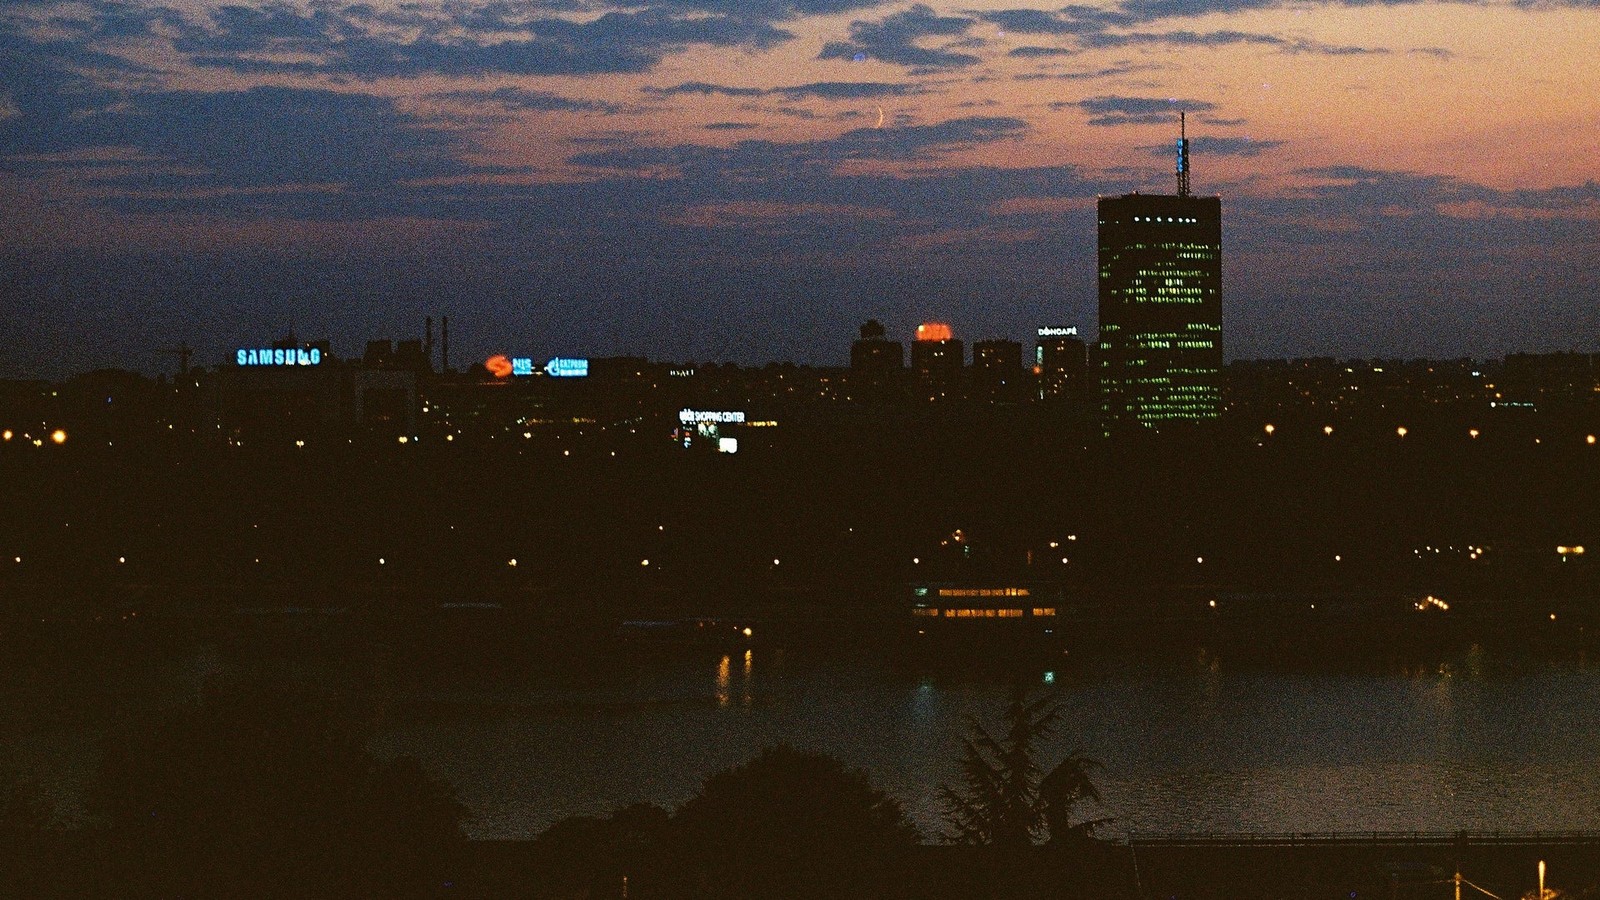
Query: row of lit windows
[983, 592]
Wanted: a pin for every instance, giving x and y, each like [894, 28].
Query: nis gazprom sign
[269, 356]
[501, 366]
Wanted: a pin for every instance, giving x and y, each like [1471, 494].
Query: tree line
[263, 791]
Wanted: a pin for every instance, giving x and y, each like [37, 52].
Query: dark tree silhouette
[790, 824]
[23, 806]
[263, 792]
[1005, 799]
[593, 857]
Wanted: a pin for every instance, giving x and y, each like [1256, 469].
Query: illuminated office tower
[1159, 356]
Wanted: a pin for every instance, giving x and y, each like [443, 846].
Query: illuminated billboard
[501, 366]
[566, 368]
[703, 416]
[1059, 331]
[271, 356]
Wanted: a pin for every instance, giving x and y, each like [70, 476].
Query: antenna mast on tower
[1183, 157]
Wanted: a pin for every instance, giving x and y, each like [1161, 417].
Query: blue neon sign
[567, 368]
[267, 356]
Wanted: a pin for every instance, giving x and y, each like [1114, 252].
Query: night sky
[749, 180]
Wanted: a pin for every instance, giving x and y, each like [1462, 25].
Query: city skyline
[700, 180]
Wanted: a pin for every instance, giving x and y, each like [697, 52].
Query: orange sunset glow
[1382, 166]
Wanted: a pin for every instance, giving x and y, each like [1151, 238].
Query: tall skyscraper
[1159, 356]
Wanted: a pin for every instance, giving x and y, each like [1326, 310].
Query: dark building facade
[875, 353]
[1159, 355]
[939, 360]
[997, 370]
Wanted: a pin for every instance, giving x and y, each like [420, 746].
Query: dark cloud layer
[261, 137]
[895, 38]
[1112, 110]
[826, 90]
[523, 99]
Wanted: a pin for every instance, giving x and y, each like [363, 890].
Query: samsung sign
[274, 357]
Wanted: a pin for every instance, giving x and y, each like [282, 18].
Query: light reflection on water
[1184, 747]
[1467, 740]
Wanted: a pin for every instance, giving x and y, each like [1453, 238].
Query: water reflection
[724, 688]
[724, 679]
[1198, 740]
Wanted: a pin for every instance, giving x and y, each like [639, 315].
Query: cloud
[1107, 72]
[826, 90]
[894, 40]
[753, 158]
[1113, 110]
[849, 90]
[775, 10]
[1038, 21]
[1041, 52]
[704, 89]
[275, 40]
[258, 138]
[1222, 39]
[729, 126]
[523, 99]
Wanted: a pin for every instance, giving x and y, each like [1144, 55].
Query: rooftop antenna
[1183, 157]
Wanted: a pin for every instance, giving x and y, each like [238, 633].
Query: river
[1188, 741]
